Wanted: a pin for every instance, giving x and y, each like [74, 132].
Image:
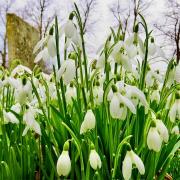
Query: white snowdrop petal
[127, 167]
[64, 164]
[66, 45]
[89, 122]
[61, 70]
[115, 107]
[173, 111]
[10, 117]
[45, 56]
[76, 39]
[25, 131]
[70, 72]
[163, 131]
[139, 94]
[95, 160]
[152, 49]
[155, 96]
[128, 103]
[36, 127]
[138, 162]
[101, 61]
[39, 44]
[126, 62]
[39, 56]
[154, 140]
[16, 108]
[69, 29]
[175, 130]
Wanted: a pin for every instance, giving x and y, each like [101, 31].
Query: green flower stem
[59, 65]
[82, 80]
[118, 152]
[57, 89]
[144, 64]
[78, 16]
[78, 146]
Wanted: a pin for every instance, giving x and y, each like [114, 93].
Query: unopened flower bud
[95, 160]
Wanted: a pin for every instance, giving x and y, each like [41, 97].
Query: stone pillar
[22, 38]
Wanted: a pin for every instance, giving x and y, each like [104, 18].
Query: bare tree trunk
[177, 45]
[3, 52]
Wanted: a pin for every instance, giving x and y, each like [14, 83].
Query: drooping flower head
[131, 158]
[64, 162]
[89, 122]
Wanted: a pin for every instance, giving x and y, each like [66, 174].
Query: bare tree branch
[171, 27]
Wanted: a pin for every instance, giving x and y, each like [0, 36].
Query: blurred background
[162, 16]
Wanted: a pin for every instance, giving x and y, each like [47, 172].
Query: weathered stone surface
[22, 38]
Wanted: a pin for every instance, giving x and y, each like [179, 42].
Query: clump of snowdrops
[113, 117]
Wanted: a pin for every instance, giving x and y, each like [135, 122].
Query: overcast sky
[102, 15]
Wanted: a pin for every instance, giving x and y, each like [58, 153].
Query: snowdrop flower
[16, 108]
[89, 122]
[154, 50]
[168, 102]
[119, 104]
[135, 95]
[20, 70]
[120, 56]
[175, 130]
[155, 96]
[67, 71]
[42, 93]
[64, 162]
[15, 83]
[153, 76]
[132, 50]
[10, 117]
[101, 61]
[52, 90]
[115, 109]
[23, 92]
[154, 140]
[162, 130]
[134, 75]
[49, 47]
[174, 112]
[152, 47]
[171, 76]
[130, 159]
[31, 123]
[70, 31]
[42, 55]
[134, 45]
[70, 94]
[98, 93]
[156, 135]
[95, 160]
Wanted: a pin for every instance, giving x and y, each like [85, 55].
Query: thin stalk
[59, 65]
[144, 64]
[78, 16]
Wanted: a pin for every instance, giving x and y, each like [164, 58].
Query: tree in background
[170, 27]
[36, 13]
[4, 9]
[123, 12]
[87, 9]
